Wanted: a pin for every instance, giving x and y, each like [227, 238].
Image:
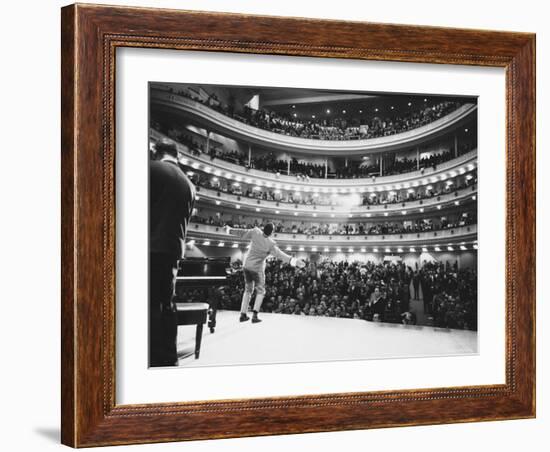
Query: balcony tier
[218, 167]
[201, 115]
[209, 198]
[442, 238]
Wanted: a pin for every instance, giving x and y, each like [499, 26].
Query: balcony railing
[217, 199]
[443, 238]
[465, 162]
[215, 120]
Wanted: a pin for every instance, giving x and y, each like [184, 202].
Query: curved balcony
[464, 163]
[216, 121]
[214, 199]
[443, 238]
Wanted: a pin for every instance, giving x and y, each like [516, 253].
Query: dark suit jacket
[171, 199]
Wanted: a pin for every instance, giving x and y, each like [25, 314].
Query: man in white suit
[261, 246]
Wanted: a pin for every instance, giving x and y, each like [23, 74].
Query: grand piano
[199, 286]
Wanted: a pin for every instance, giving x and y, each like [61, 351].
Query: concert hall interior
[376, 192]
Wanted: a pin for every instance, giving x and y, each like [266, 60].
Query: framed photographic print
[281, 225]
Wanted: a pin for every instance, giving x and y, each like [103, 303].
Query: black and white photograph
[291, 225]
[244, 226]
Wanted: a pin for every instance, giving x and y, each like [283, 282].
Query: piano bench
[193, 314]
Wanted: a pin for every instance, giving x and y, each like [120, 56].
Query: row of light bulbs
[437, 248]
[367, 215]
[307, 188]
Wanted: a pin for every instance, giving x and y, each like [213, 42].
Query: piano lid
[200, 268]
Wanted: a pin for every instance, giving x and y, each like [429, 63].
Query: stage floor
[285, 338]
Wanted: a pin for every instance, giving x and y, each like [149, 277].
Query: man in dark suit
[171, 199]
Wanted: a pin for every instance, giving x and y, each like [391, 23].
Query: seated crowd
[385, 228]
[304, 170]
[372, 292]
[335, 128]
[326, 199]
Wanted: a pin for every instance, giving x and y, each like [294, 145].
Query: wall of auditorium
[227, 96]
[228, 144]
[464, 259]
[216, 140]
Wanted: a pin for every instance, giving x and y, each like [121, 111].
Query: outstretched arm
[276, 251]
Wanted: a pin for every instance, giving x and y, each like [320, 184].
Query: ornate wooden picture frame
[90, 37]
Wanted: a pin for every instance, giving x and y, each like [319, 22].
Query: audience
[304, 170]
[374, 292]
[385, 228]
[368, 291]
[333, 129]
[336, 128]
[221, 184]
